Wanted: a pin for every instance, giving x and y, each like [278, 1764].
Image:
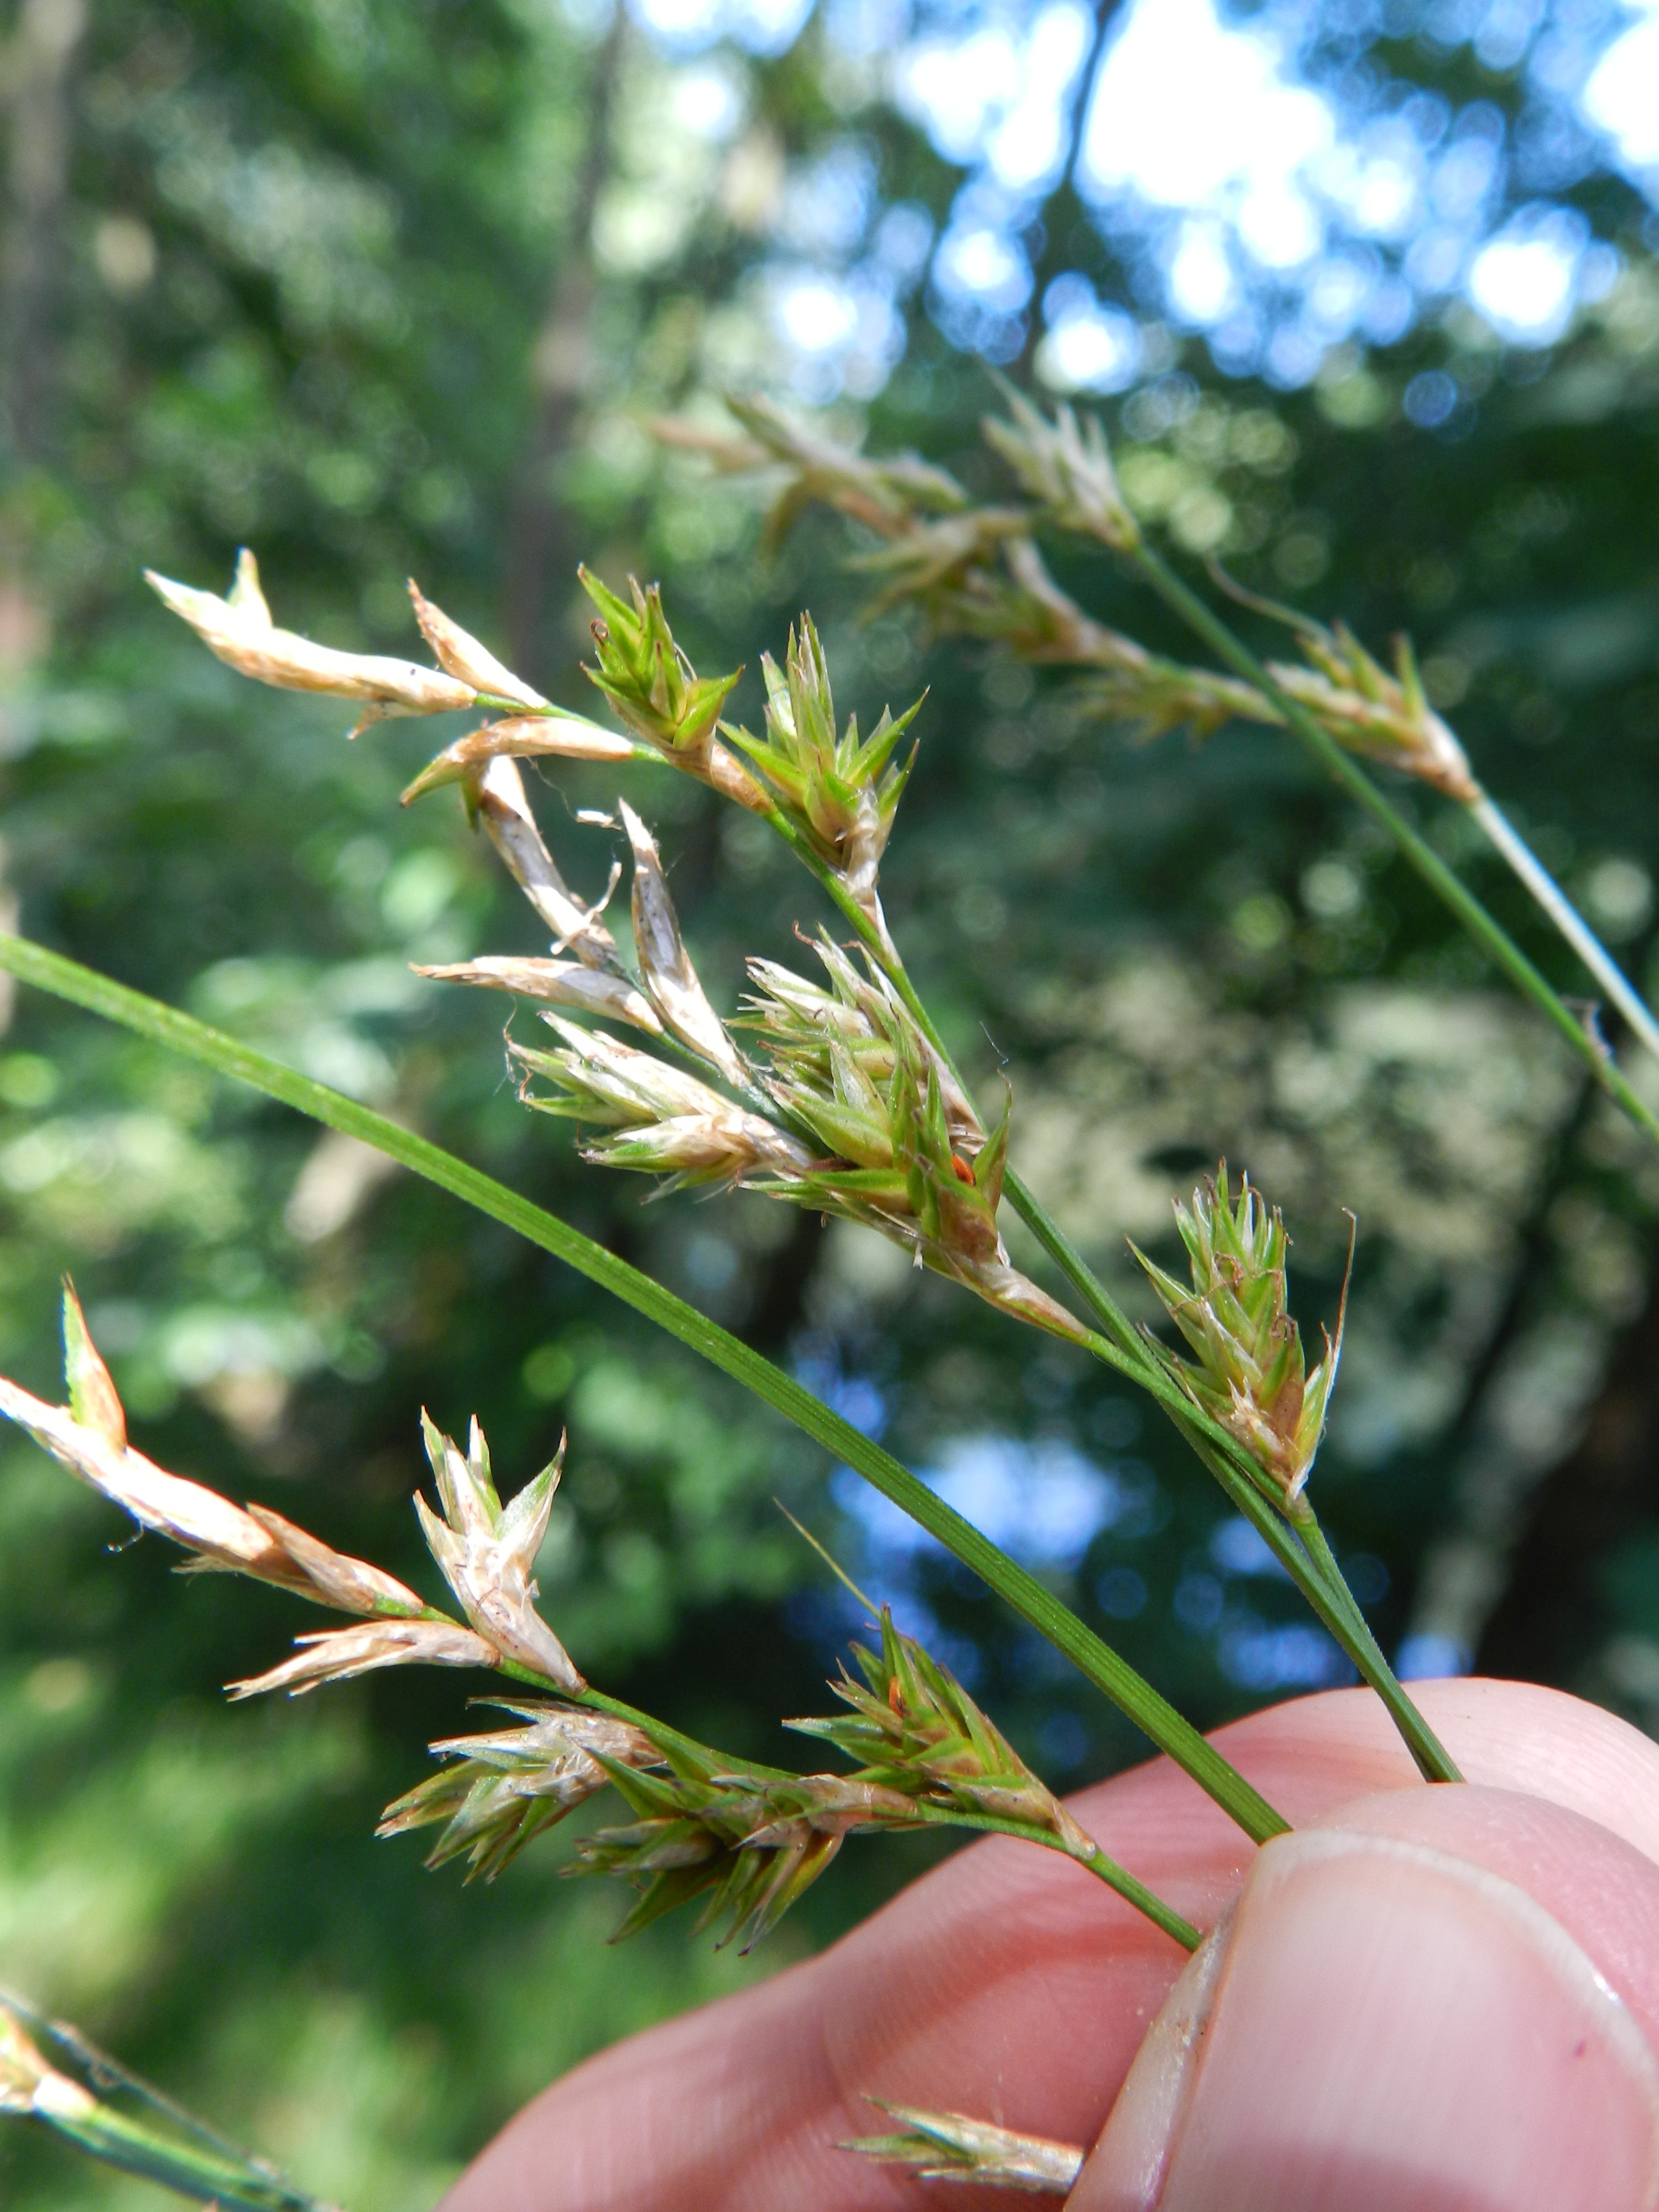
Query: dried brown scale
[521, 737]
[336, 1655]
[239, 630]
[461, 654]
[496, 796]
[554, 982]
[665, 967]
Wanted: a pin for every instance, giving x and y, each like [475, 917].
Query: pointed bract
[496, 796]
[664, 965]
[93, 1399]
[487, 1552]
[556, 983]
[336, 1654]
[461, 652]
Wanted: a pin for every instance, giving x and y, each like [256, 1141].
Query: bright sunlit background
[1367, 296]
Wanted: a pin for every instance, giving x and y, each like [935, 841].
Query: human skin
[1427, 2000]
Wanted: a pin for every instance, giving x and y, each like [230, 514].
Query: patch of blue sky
[1043, 1501]
[1296, 1656]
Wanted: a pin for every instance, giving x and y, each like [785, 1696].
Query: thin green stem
[115, 2140]
[662, 1733]
[1097, 1862]
[1450, 888]
[1435, 1763]
[1513, 848]
[1111, 1674]
[1312, 1566]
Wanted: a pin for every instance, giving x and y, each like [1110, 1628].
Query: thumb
[1387, 2019]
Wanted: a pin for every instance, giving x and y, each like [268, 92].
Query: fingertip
[1391, 2025]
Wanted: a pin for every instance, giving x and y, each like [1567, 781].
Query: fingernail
[1126, 2171]
[1385, 2027]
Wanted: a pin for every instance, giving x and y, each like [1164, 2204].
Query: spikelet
[1250, 1373]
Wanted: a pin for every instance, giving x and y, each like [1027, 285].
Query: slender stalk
[114, 2140]
[1434, 1762]
[1312, 1566]
[1095, 1861]
[1565, 914]
[61, 2080]
[1134, 1696]
[1492, 937]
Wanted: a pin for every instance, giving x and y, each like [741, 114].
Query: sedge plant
[832, 1092]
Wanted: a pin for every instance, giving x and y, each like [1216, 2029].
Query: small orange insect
[960, 1169]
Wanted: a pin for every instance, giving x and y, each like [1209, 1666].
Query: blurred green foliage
[390, 288]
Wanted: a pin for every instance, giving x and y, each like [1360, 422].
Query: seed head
[1065, 465]
[843, 794]
[1384, 714]
[749, 1844]
[88, 1437]
[669, 1121]
[487, 1550]
[914, 1733]
[907, 1154]
[1250, 1373]
[502, 1789]
[950, 2147]
[658, 694]
[239, 629]
[883, 495]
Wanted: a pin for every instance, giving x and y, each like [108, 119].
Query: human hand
[1427, 2000]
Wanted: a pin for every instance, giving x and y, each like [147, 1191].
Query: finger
[1439, 1999]
[1006, 1983]
[1322, 1751]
